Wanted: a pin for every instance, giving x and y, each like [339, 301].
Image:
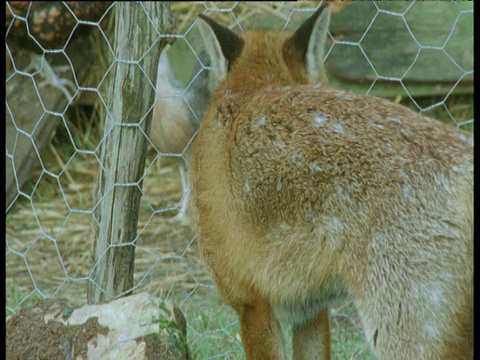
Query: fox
[306, 196]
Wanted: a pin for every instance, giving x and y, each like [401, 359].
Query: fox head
[259, 58]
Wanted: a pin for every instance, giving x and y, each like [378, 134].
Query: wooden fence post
[124, 147]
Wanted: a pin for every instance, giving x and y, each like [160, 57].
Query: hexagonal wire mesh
[388, 49]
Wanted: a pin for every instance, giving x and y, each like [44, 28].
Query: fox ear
[222, 45]
[307, 44]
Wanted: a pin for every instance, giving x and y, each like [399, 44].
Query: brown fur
[305, 196]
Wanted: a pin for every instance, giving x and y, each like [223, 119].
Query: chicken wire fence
[63, 90]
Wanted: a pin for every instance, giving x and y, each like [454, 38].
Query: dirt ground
[29, 337]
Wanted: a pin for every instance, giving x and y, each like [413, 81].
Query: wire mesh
[50, 211]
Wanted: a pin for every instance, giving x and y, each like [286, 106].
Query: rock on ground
[134, 327]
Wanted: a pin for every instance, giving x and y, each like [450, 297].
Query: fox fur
[306, 196]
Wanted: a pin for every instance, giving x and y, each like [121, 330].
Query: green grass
[348, 341]
[214, 331]
[16, 296]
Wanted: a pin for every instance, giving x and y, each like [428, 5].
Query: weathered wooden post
[124, 148]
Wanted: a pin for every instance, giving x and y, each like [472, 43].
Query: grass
[213, 328]
[17, 298]
[348, 341]
[214, 331]
[209, 312]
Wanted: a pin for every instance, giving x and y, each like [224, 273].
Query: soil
[28, 336]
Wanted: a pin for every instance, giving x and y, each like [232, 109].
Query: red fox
[305, 196]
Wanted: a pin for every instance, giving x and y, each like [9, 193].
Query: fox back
[306, 196]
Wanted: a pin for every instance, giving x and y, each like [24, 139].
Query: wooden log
[34, 112]
[26, 111]
[392, 47]
[124, 148]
